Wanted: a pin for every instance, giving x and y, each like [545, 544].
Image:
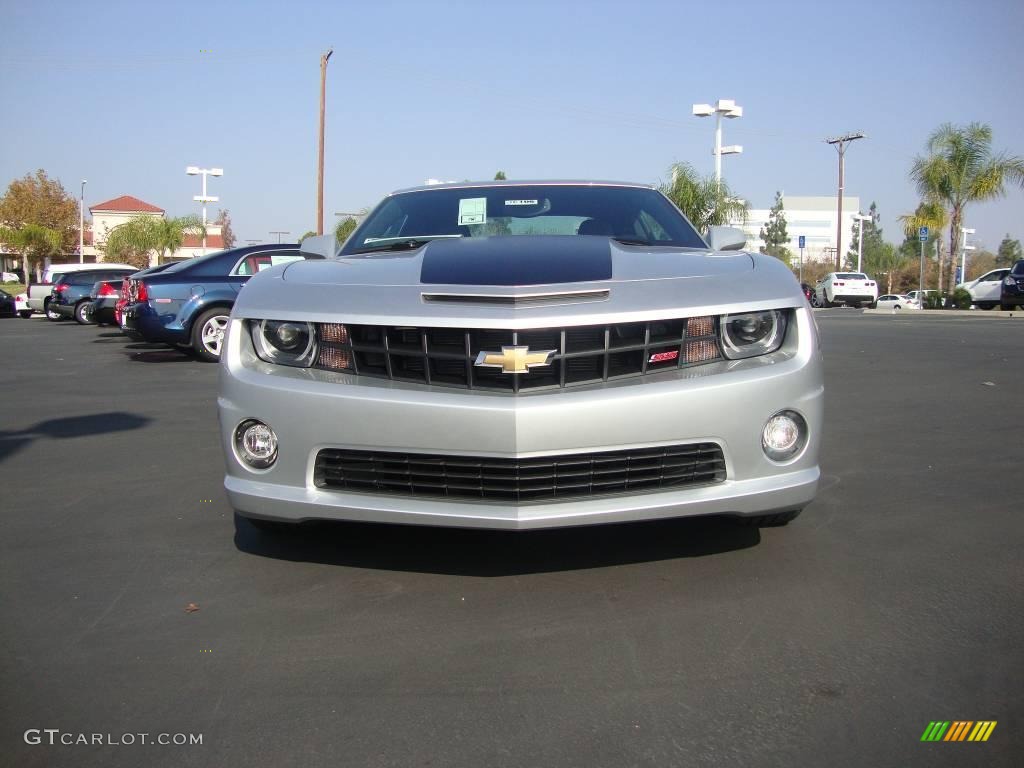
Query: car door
[988, 286]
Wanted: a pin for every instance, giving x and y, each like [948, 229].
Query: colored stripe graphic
[935, 730]
[958, 730]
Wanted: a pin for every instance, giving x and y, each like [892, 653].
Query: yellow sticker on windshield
[472, 210]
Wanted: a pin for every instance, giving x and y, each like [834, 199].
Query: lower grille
[514, 480]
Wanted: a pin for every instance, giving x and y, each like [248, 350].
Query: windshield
[632, 214]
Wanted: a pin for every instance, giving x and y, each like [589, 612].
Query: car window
[257, 262]
[537, 209]
[1018, 268]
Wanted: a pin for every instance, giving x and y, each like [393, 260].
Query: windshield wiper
[632, 241]
[399, 243]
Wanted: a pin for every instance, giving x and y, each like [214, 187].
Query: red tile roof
[126, 203]
[213, 242]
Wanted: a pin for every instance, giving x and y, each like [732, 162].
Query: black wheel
[826, 303]
[896, 307]
[770, 521]
[874, 305]
[208, 333]
[1006, 307]
[987, 305]
[83, 313]
[51, 314]
[25, 314]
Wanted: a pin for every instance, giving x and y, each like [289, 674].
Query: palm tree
[30, 240]
[169, 234]
[960, 168]
[929, 214]
[704, 201]
[132, 241]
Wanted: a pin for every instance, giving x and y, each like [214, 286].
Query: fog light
[784, 435]
[256, 444]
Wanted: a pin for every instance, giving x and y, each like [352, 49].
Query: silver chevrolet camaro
[523, 355]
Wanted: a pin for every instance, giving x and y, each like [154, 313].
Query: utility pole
[320, 157]
[840, 142]
[81, 224]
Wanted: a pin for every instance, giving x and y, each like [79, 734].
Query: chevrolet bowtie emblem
[514, 359]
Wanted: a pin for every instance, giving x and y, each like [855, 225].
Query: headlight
[752, 333]
[284, 342]
[1008, 280]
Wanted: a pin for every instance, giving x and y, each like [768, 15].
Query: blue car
[188, 304]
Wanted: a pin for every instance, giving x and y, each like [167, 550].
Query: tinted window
[257, 262]
[1018, 268]
[850, 276]
[557, 209]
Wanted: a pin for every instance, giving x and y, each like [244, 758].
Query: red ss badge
[661, 357]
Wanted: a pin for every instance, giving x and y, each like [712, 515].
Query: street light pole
[722, 108]
[860, 218]
[320, 157]
[193, 170]
[81, 224]
[840, 142]
[963, 253]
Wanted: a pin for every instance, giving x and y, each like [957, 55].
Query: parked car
[917, 296]
[103, 300]
[187, 304]
[452, 368]
[37, 296]
[985, 290]
[70, 295]
[1012, 294]
[122, 299]
[896, 301]
[7, 308]
[850, 288]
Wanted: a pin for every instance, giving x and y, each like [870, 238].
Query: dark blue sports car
[188, 304]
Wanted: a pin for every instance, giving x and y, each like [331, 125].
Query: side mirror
[726, 239]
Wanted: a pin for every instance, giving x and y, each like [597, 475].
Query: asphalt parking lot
[893, 601]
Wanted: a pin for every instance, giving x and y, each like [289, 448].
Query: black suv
[1011, 294]
[70, 294]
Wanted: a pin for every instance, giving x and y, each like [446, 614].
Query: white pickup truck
[37, 295]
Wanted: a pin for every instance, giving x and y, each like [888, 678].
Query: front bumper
[726, 403]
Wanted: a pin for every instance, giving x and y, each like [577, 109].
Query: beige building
[112, 213]
[812, 217]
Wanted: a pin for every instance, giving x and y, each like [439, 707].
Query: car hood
[527, 281]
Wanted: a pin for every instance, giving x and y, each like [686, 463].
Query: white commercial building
[812, 217]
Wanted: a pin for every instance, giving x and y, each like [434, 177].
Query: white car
[915, 296]
[850, 288]
[985, 289]
[896, 301]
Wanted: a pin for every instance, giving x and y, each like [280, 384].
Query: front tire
[208, 333]
[82, 313]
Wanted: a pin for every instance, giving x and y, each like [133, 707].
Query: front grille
[515, 480]
[581, 354]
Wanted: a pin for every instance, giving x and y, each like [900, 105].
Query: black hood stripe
[519, 260]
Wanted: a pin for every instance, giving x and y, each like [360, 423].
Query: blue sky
[120, 94]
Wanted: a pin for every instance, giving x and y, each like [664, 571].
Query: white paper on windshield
[520, 202]
[472, 210]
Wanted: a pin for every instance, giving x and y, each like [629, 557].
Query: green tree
[704, 201]
[499, 176]
[226, 233]
[345, 228]
[307, 233]
[887, 260]
[133, 241]
[29, 241]
[1009, 251]
[927, 214]
[774, 232]
[41, 201]
[872, 242]
[961, 168]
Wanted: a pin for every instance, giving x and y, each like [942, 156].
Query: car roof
[530, 183]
